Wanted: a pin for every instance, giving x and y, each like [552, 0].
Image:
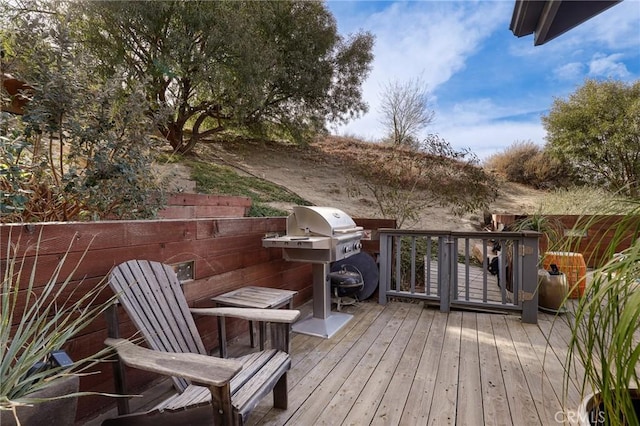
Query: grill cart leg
[323, 323]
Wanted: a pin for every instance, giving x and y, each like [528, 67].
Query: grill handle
[348, 230]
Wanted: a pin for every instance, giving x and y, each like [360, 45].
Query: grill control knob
[357, 246]
[347, 249]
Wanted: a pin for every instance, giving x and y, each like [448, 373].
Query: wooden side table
[251, 297]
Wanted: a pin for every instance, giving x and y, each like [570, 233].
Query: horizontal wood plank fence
[197, 206]
[222, 254]
[590, 235]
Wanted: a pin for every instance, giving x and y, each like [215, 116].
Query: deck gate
[462, 269]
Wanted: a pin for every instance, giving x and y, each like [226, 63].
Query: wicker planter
[60, 412]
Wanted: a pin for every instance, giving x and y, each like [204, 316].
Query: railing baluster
[398, 240]
[502, 268]
[427, 266]
[515, 279]
[413, 265]
[485, 270]
[466, 269]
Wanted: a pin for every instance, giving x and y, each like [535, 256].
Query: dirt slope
[318, 175]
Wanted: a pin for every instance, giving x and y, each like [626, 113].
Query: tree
[82, 149]
[215, 64]
[405, 112]
[597, 130]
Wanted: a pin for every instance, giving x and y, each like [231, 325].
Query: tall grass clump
[605, 328]
[585, 200]
[38, 319]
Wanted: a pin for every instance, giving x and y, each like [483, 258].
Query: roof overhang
[548, 19]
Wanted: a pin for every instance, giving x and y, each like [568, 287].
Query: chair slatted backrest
[151, 294]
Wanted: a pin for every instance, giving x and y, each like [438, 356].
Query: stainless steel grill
[319, 235]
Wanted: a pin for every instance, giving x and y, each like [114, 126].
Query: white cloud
[616, 27]
[496, 101]
[488, 138]
[602, 65]
[570, 71]
[430, 40]
[433, 42]
[487, 127]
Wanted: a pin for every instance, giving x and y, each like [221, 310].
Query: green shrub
[215, 179]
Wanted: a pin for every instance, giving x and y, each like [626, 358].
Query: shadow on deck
[404, 363]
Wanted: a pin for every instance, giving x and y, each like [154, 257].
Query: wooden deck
[404, 364]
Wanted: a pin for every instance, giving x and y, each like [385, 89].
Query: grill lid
[326, 221]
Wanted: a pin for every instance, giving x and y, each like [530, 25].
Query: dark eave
[549, 19]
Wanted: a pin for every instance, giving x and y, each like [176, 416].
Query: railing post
[385, 263]
[444, 273]
[529, 283]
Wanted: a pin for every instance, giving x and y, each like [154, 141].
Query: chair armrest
[251, 314]
[202, 369]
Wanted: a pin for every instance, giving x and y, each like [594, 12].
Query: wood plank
[393, 402]
[547, 404]
[317, 364]
[372, 392]
[521, 404]
[201, 368]
[443, 407]
[416, 410]
[553, 368]
[469, 408]
[494, 395]
[362, 360]
[189, 199]
[558, 335]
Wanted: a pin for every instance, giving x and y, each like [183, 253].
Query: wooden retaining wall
[226, 253]
[197, 206]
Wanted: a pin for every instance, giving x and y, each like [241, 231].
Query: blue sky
[487, 87]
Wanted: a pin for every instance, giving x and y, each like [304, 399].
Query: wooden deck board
[494, 393]
[416, 409]
[520, 400]
[542, 393]
[443, 408]
[372, 393]
[393, 401]
[469, 410]
[405, 364]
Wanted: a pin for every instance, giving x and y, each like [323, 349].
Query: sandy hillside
[316, 174]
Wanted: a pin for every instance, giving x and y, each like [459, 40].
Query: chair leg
[280, 399]
[221, 402]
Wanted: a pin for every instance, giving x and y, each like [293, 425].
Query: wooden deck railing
[452, 269]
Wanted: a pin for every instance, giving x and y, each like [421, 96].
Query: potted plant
[552, 284]
[604, 347]
[36, 379]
